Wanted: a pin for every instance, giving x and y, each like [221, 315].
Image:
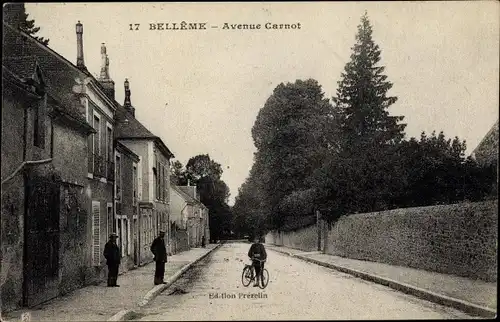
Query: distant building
[486, 153]
[198, 220]
[181, 209]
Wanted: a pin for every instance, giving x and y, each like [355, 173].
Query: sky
[201, 90]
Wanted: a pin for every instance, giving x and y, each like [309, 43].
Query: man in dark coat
[258, 255]
[112, 255]
[160, 257]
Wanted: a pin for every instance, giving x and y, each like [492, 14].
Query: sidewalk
[100, 303]
[474, 296]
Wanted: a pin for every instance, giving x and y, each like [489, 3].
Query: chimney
[127, 103]
[104, 63]
[79, 46]
[107, 83]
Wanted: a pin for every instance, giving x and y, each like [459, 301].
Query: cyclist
[258, 255]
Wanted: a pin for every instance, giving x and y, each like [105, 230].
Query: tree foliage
[16, 16]
[292, 133]
[348, 157]
[205, 174]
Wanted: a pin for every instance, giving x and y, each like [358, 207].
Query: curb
[461, 305]
[280, 251]
[125, 314]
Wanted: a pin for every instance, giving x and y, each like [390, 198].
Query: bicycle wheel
[264, 279]
[246, 276]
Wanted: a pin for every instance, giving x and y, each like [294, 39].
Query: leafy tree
[202, 166]
[248, 213]
[177, 173]
[437, 172]
[214, 193]
[16, 16]
[292, 134]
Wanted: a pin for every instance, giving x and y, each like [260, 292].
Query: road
[297, 290]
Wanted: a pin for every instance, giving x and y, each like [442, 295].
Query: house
[127, 205]
[198, 220]
[126, 165]
[181, 207]
[44, 174]
[486, 153]
[99, 109]
[153, 174]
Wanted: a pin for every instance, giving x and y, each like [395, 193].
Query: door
[41, 241]
[135, 229]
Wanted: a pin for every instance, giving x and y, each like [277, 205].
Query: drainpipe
[22, 165]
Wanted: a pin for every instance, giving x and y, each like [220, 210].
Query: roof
[24, 67]
[190, 190]
[12, 79]
[186, 196]
[22, 53]
[26, 73]
[129, 128]
[120, 146]
[486, 151]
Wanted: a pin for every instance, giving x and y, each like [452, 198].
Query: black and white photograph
[249, 161]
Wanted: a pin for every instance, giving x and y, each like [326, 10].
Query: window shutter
[96, 234]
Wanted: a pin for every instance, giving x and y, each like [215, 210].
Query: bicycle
[248, 275]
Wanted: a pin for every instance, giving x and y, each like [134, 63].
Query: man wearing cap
[112, 255]
[160, 257]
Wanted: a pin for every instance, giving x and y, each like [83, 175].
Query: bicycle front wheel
[264, 279]
[246, 276]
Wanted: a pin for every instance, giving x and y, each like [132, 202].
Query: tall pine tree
[363, 176]
[16, 16]
[362, 99]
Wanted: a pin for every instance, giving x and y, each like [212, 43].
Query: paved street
[296, 290]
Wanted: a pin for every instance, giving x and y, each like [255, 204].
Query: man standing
[160, 257]
[112, 255]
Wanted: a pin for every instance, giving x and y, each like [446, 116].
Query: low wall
[459, 239]
[305, 239]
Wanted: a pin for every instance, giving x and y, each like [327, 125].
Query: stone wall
[459, 239]
[305, 239]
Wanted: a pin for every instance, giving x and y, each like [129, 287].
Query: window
[150, 228]
[155, 180]
[120, 234]
[126, 236]
[39, 125]
[123, 225]
[110, 222]
[97, 136]
[134, 175]
[96, 233]
[160, 185]
[109, 136]
[118, 177]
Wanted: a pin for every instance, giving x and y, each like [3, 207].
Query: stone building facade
[44, 137]
[153, 173]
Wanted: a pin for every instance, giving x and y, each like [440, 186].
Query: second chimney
[106, 81]
[127, 102]
[79, 46]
